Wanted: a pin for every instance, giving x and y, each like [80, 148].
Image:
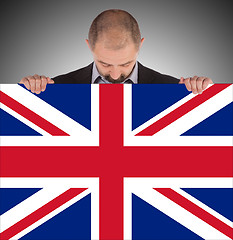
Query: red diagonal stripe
[197, 211]
[31, 116]
[182, 110]
[41, 212]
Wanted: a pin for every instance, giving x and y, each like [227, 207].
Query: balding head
[115, 28]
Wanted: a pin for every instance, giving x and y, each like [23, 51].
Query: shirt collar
[133, 76]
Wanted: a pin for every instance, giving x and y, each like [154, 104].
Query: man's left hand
[196, 84]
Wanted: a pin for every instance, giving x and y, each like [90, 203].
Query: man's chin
[119, 80]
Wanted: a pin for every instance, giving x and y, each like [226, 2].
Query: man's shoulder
[80, 76]
[150, 76]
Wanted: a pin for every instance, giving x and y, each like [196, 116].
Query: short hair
[114, 19]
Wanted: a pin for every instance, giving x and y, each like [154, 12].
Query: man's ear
[142, 40]
[87, 42]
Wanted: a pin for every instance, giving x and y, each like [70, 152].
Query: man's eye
[105, 65]
[125, 65]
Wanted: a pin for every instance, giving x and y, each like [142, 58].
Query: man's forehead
[122, 63]
[115, 57]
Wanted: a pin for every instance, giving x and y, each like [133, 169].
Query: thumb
[50, 81]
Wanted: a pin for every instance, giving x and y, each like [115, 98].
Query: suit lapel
[143, 76]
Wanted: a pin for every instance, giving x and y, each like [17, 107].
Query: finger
[50, 81]
[188, 84]
[32, 83]
[25, 82]
[181, 80]
[38, 84]
[193, 83]
[43, 83]
[206, 82]
[199, 83]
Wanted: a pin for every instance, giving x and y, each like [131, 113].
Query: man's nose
[115, 73]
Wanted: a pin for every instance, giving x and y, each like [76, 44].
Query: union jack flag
[116, 162]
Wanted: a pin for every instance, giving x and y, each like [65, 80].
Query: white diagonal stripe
[143, 187]
[43, 109]
[24, 120]
[50, 215]
[203, 206]
[170, 136]
[79, 135]
[53, 187]
[198, 114]
[28, 206]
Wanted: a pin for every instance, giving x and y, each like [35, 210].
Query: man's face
[115, 65]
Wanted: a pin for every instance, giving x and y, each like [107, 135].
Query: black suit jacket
[84, 75]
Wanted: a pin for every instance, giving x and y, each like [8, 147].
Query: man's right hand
[36, 83]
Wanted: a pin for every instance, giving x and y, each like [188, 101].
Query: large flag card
[116, 162]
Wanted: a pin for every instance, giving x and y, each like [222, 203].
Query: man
[115, 40]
